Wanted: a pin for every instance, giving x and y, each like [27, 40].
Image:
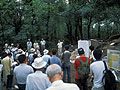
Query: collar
[66, 51]
[23, 64]
[58, 82]
[38, 71]
[98, 60]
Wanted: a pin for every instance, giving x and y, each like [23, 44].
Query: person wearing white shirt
[46, 58]
[59, 47]
[43, 42]
[22, 71]
[35, 45]
[96, 69]
[55, 74]
[29, 45]
[38, 80]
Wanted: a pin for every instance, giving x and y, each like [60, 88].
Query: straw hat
[39, 63]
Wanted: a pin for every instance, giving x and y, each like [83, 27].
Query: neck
[82, 55]
[56, 77]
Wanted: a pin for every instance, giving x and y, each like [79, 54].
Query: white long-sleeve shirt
[60, 85]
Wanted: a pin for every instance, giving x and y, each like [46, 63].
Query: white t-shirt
[60, 44]
[43, 42]
[97, 69]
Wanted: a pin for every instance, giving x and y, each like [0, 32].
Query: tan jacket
[6, 67]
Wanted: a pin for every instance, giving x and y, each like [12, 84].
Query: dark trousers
[66, 70]
[82, 84]
[9, 81]
[21, 86]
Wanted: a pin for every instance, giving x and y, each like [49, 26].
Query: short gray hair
[53, 69]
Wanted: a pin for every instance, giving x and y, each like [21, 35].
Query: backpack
[108, 79]
[84, 69]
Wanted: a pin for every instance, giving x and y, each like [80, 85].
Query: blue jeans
[66, 70]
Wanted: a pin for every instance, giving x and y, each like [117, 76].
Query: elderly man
[55, 74]
[38, 80]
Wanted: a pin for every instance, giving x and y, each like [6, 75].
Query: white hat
[39, 63]
[20, 50]
[32, 50]
[45, 51]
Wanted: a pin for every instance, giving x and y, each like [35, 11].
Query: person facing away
[22, 71]
[38, 80]
[66, 61]
[91, 48]
[54, 73]
[96, 70]
[54, 59]
[7, 67]
[81, 82]
[46, 57]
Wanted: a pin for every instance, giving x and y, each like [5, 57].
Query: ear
[49, 78]
[61, 74]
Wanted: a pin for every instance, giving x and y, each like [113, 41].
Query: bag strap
[105, 65]
[82, 61]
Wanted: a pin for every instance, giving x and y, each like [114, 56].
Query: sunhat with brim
[32, 50]
[39, 63]
[20, 50]
[45, 51]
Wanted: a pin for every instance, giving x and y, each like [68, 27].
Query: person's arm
[75, 64]
[28, 86]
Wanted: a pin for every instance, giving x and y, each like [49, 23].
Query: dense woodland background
[57, 19]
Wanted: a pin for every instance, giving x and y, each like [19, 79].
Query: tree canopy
[58, 19]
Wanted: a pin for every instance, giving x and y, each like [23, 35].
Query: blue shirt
[55, 60]
[21, 72]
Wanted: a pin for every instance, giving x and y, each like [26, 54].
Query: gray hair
[53, 69]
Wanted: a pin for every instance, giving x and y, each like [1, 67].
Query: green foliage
[55, 19]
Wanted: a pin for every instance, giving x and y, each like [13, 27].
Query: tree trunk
[69, 28]
[47, 24]
[80, 28]
[89, 23]
[76, 31]
[98, 30]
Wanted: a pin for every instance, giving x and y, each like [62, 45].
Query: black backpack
[108, 79]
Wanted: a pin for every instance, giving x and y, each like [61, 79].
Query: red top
[77, 65]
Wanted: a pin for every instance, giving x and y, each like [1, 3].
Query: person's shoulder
[31, 75]
[57, 57]
[71, 85]
[28, 66]
[17, 67]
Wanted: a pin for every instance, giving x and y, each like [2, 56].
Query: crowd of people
[35, 71]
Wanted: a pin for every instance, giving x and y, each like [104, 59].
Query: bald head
[53, 70]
